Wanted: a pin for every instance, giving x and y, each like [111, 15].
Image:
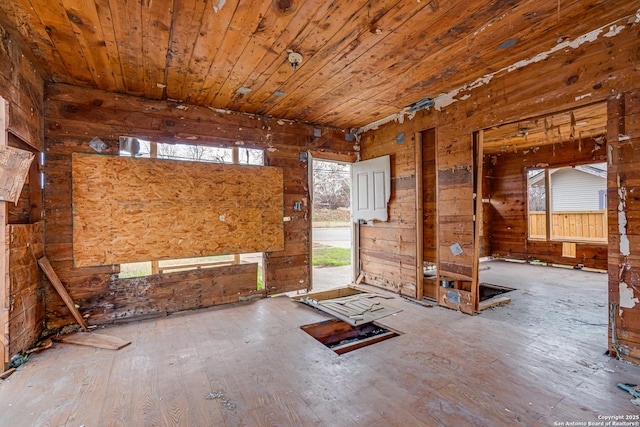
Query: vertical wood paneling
[21, 126]
[388, 249]
[23, 88]
[26, 314]
[5, 287]
[624, 231]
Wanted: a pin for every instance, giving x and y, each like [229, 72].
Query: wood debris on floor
[92, 339]
[350, 305]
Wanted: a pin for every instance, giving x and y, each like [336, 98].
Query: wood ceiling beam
[158, 44]
[127, 22]
[106, 24]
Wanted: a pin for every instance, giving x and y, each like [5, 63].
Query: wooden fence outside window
[570, 225]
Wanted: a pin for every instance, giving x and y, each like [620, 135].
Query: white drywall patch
[622, 220]
[627, 296]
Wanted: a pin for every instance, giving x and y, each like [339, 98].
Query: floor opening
[488, 290]
[342, 338]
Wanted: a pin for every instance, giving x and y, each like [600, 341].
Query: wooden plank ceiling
[362, 59]
[583, 124]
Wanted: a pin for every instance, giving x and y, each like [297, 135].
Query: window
[568, 203]
[135, 147]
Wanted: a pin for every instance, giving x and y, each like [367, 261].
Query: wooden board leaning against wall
[75, 115]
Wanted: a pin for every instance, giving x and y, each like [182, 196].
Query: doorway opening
[543, 193]
[331, 225]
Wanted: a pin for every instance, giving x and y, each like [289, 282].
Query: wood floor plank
[92, 391]
[506, 366]
[118, 405]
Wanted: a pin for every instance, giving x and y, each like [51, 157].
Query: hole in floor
[487, 290]
[342, 338]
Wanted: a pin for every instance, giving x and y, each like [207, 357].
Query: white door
[370, 189]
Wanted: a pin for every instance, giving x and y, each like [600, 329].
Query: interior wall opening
[544, 204]
[331, 224]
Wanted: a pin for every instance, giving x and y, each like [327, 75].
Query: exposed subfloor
[536, 361]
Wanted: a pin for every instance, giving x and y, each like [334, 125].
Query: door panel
[371, 182]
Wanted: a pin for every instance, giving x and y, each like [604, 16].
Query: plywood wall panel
[130, 210]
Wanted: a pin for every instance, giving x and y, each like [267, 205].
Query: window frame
[549, 212]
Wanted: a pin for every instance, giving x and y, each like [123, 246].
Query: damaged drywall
[627, 296]
[622, 219]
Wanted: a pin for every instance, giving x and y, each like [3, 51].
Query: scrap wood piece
[43, 346]
[7, 373]
[14, 167]
[370, 294]
[55, 281]
[493, 302]
[91, 339]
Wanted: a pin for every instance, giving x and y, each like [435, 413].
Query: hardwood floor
[504, 367]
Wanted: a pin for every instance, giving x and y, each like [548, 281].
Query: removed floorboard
[91, 339]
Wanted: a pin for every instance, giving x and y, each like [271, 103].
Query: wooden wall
[566, 79]
[75, 115]
[21, 296]
[624, 225]
[508, 223]
[22, 86]
[26, 310]
[105, 298]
